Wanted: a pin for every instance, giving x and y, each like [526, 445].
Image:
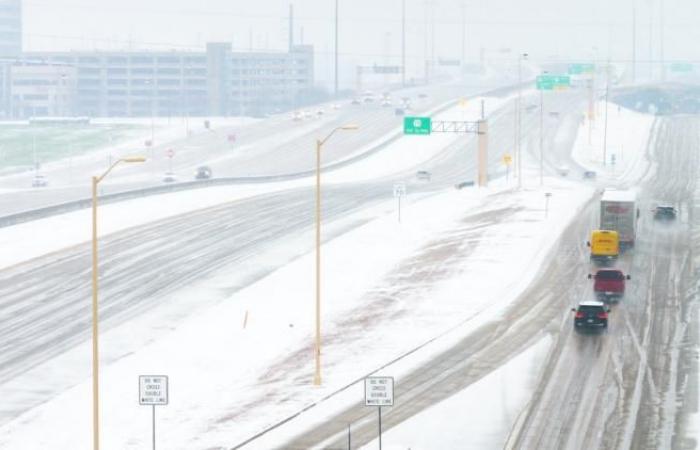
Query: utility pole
[605, 127]
[464, 33]
[336, 49]
[634, 40]
[661, 40]
[651, 40]
[432, 37]
[425, 38]
[518, 105]
[541, 137]
[403, 42]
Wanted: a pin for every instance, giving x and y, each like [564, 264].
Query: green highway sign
[550, 82]
[681, 67]
[578, 68]
[416, 125]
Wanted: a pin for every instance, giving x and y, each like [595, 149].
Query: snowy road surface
[273, 146]
[47, 297]
[633, 387]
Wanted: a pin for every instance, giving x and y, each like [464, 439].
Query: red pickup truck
[609, 283]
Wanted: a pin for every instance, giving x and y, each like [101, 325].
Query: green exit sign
[578, 69]
[550, 82]
[416, 125]
[681, 67]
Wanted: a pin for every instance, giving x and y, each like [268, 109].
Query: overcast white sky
[370, 30]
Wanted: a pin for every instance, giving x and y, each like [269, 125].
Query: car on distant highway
[297, 116]
[664, 212]
[464, 184]
[355, 101]
[591, 315]
[40, 181]
[589, 175]
[423, 175]
[399, 112]
[202, 173]
[169, 177]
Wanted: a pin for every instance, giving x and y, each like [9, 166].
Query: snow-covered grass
[381, 284]
[622, 146]
[213, 357]
[22, 144]
[476, 418]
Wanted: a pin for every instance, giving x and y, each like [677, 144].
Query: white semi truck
[619, 212]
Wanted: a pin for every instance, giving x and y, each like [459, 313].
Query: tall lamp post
[518, 119]
[95, 354]
[317, 349]
[542, 134]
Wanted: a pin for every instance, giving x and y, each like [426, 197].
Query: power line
[453, 20]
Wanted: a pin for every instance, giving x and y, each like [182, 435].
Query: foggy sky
[370, 30]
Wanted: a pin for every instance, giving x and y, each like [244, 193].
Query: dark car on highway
[202, 173]
[664, 212]
[591, 315]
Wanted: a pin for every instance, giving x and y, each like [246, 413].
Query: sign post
[379, 391]
[153, 390]
[399, 191]
[426, 126]
[507, 160]
[170, 153]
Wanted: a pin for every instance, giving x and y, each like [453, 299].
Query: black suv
[591, 315]
[664, 212]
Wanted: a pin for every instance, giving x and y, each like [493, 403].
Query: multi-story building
[10, 28]
[40, 89]
[215, 82]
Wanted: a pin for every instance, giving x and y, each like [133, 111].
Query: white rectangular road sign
[399, 190]
[153, 389]
[379, 391]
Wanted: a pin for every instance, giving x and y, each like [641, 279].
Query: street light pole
[95, 355]
[518, 120]
[317, 352]
[335, 91]
[95, 316]
[317, 348]
[403, 43]
[541, 137]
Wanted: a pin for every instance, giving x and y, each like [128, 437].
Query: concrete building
[215, 82]
[39, 89]
[10, 28]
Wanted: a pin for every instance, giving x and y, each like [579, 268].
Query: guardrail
[75, 205]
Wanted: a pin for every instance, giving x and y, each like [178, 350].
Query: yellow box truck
[605, 245]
